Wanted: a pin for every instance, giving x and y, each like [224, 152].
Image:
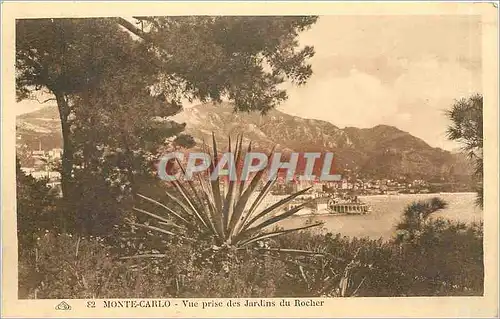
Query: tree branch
[145, 36]
[132, 28]
[148, 19]
[45, 101]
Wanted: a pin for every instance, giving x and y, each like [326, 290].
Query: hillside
[41, 127]
[379, 152]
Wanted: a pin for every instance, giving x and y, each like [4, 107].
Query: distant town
[358, 186]
[41, 164]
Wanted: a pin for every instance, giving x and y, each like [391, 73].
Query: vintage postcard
[249, 159]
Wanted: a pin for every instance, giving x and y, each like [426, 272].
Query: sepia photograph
[213, 161]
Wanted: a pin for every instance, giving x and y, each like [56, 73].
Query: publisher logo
[63, 305]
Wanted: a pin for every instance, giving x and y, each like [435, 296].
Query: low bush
[445, 259]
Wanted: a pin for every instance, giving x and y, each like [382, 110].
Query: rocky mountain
[379, 152]
[40, 128]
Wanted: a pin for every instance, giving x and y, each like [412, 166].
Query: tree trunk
[67, 156]
[129, 163]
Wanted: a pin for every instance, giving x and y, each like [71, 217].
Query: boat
[329, 205]
[348, 208]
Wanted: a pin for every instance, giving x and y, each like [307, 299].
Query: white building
[55, 153]
[317, 187]
[345, 184]
[51, 175]
[38, 154]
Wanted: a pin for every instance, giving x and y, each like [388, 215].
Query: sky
[403, 71]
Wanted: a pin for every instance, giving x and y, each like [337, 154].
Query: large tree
[243, 59]
[68, 58]
[466, 128]
[117, 82]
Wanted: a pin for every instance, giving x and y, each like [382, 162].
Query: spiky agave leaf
[259, 227]
[161, 230]
[242, 182]
[170, 211]
[213, 215]
[292, 251]
[215, 185]
[208, 193]
[256, 203]
[202, 211]
[228, 206]
[245, 196]
[191, 201]
[275, 233]
[151, 214]
[145, 256]
[277, 205]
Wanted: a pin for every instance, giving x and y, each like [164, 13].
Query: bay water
[387, 211]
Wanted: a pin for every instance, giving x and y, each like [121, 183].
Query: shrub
[442, 258]
[63, 266]
[36, 208]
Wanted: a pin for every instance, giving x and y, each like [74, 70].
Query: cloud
[425, 91]
[415, 101]
[430, 79]
[358, 99]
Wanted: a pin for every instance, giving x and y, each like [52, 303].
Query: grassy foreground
[440, 258]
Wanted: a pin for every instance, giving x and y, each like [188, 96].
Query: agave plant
[228, 217]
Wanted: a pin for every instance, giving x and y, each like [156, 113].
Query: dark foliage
[466, 128]
[116, 86]
[36, 208]
[447, 259]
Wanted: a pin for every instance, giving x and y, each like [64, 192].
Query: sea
[387, 211]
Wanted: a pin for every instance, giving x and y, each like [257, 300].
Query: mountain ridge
[382, 151]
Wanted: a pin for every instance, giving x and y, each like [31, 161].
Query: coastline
[387, 210]
[419, 194]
